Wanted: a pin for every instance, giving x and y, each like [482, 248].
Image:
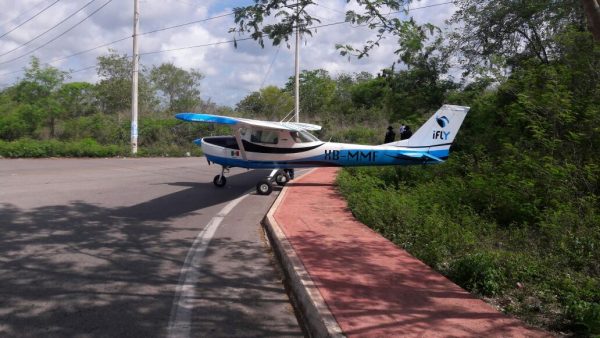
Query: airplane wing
[233, 121]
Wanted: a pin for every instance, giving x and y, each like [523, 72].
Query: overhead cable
[61, 34]
[125, 38]
[26, 21]
[49, 29]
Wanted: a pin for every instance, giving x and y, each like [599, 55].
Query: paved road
[121, 247]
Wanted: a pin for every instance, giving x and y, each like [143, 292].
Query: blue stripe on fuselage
[337, 158]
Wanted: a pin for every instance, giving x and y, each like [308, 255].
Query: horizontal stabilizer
[422, 156]
[435, 158]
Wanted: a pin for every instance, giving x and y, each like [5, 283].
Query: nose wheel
[220, 180]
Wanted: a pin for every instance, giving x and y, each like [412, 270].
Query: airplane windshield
[303, 136]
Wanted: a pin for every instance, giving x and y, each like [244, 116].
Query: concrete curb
[319, 320]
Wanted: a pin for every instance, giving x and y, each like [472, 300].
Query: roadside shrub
[83, 148]
[480, 273]
[360, 135]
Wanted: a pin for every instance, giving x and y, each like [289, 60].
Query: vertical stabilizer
[440, 129]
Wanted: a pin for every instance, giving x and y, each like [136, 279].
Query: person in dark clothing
[406, 134]
[390, 136]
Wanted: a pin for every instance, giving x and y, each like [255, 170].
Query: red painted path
[372, 287]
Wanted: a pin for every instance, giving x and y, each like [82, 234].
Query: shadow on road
[82, 269]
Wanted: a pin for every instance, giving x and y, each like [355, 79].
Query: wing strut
[238, 138]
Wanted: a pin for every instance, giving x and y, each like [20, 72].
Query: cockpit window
[264, 136]
[295, 136]
[303, 137]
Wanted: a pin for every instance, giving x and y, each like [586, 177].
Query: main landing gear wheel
[219, 181]
[264, 187]
[281, 179]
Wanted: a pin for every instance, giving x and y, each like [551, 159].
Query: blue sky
[230, 73]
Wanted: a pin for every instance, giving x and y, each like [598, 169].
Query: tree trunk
[52, 127]
[592, 13]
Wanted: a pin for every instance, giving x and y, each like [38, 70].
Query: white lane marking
[180, 322]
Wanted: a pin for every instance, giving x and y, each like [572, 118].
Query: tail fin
[439, 130]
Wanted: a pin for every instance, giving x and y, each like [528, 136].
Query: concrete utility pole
[134, 78]
[297, 64]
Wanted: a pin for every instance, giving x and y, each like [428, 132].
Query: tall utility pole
[134, 78]
[297, 64]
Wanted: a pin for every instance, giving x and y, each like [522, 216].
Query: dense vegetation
[44, 115]
[513, 215]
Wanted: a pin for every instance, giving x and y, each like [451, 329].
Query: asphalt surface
[136, 248]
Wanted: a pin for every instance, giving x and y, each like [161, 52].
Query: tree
[180, 87]
[294, 14]
[592, 13]
[78, 98]
[114, 88]
[270, 102]
[511, 30]
[316, 90]
[251, 104]
[277, 103]
[38, 92]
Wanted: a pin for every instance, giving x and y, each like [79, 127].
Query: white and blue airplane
[283, 146]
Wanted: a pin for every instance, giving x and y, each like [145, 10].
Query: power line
[195, 46]
[187, 47]
[427, 6]
[270, 66]
[58, 36]
[48, 30]
[26, 21]
[23, 14]
[186, 24]
[82, 69]
[226, 41]
[248, 38]
[125, 38]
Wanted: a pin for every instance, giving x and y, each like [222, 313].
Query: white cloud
[230, 73]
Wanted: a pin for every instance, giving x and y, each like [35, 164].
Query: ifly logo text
[441, 135]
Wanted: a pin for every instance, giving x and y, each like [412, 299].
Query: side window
[255, 136]
[264, 136]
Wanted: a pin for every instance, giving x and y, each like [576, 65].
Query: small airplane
[283, 146]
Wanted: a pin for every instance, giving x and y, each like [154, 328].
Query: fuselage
[288, 154]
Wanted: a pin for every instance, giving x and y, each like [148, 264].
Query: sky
[230, 73]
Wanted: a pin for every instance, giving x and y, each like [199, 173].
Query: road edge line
[314, 309]
[180, 319]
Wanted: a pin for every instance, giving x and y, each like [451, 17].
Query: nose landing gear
[220, 180]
